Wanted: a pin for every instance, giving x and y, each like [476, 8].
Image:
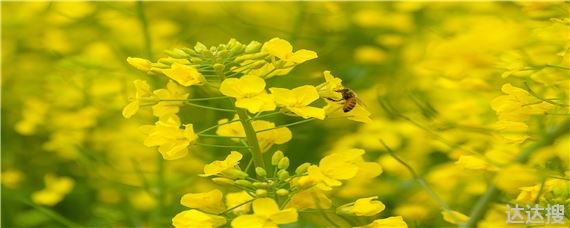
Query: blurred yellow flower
[362, 207]
[511, 178]
[458, 215]
[140, 63]
[473, 163]
[210, 202]
[142, 200]
[517, 105]
[266, 214]
[12, 178]
[56, 188]
[197, 219]
[234, 199]
[218, 167]
[249, 92]
[184, 74]
[337, 166]
[171, 99]
[172, 141]
[283, 50]
[33, 115]
[390, 222]
[370, 55]
[297, 101]
[312, 198]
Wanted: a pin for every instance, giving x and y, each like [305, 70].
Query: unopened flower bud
[283, 163]
[261, 192]
[283, 174]
[177, 53]
[279, 64]
[252, 47]
[196, 60]
[282, 192]
[235, 173]
[139, 63]
[218, 67]
[188, 51]
[200, 47]
[302, 168]
[223, 53]
[223, 181]
[260, 172]
[244, 183]
[258, 184]
[276, 157]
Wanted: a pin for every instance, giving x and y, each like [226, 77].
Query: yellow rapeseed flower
[171, 96]
[312, 198]
[218, 167]
[234, 199]
[143, 95]
[210, 202]
[266, 214]
[56, 188]
[297, 101]
[184, 74]
[249, 92]
[362, 207]
[283, 50]
[197, 219]
[172, 141]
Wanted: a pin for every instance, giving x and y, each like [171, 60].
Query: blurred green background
[416, 65]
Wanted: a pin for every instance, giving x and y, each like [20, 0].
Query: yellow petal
[303, 55]
[459, 216]
[197, 219]
[265, 207]
[308, 112]
[284, 97]
[390, 222]
[131, 109]
[210, 202]
[278, 47]
[140, 63]
[306, 94]
[285, 216]
[185, 75]
[248, 221]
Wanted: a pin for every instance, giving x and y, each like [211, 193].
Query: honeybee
[350, 99]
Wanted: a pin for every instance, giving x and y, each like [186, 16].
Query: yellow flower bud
[302, 168]
[261, 192]
[282, 192]
[260, 171]
[276, 157]
[223, 181]
[139, 63]
[244, 183]
[283, 163]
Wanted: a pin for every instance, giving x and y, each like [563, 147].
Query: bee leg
[330, 99]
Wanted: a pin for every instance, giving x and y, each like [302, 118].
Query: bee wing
[360, 102]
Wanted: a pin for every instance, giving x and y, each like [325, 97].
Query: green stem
[422, 182]
[287, 125]
[50, 213]
[220, 146]
[251, 136]
[265, 115]
[541, 98]
[197, 99]
[492, 192]
[220, 136]
[208, 107]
